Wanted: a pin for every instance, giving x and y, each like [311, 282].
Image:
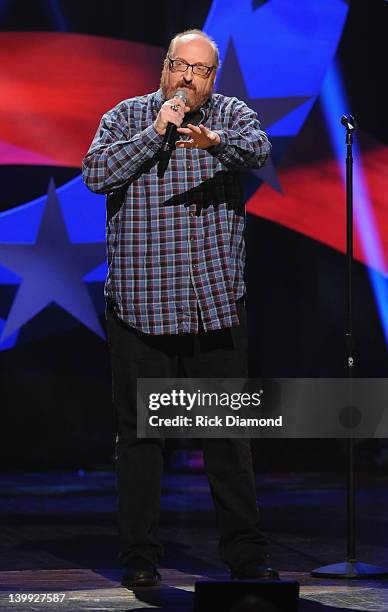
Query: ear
[165, 68]
[165, 65]
[212, 77]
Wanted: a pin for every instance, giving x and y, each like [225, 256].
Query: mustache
[186, 86]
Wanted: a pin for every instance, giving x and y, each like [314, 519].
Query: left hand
[200, 137]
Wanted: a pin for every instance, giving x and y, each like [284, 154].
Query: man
[175, 287]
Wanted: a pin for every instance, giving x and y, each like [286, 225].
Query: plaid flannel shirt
[175, 244]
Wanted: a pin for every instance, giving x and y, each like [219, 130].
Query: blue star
[52, 270]
[269, 110]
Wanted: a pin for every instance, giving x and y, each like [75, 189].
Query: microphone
[169, 139]
[349, 123]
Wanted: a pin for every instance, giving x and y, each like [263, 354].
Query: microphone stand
[350, 568]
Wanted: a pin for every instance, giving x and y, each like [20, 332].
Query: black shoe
[255, 572]
[135, 578]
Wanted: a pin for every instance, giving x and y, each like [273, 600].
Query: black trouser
[139, 462]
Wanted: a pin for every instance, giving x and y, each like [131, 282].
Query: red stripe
[314, 201]
[54, 89]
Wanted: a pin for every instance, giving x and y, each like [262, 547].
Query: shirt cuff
[220, 147]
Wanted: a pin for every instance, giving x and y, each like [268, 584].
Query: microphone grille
[181, 94]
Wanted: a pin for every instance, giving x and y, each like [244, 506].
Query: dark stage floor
[58, 535]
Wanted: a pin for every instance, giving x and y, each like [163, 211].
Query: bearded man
[175, 288]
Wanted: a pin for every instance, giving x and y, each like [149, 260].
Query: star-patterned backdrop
[62, 67]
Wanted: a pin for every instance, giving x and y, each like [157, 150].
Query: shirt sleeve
[114, 157]
[242, 143]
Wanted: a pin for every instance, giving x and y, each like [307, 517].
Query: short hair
[197, 33]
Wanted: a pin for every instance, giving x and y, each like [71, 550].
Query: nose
[188, 75]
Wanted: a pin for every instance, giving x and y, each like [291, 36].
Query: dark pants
[139, 462]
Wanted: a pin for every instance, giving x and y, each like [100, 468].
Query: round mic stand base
[350, 569]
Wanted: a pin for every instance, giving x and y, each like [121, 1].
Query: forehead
[194, 49]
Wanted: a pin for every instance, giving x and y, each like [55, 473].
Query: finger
[168, 114]
[206, 132]
[175, 116]
[194, 128]
[177, 102]
[184, 130]
[175, 119]
[177, 110]
[183, 144]
[173, 106]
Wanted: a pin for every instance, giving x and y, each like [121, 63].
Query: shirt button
[192, 214]
[191, 238]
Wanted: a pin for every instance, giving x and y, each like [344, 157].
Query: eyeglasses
[178, 65]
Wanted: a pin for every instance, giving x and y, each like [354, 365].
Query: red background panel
[55, 87]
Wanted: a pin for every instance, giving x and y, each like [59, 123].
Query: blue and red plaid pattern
[174, 243]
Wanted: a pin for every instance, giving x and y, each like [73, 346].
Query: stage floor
[58, 535]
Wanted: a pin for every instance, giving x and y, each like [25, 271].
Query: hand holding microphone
[172, 112]
[169, 118]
